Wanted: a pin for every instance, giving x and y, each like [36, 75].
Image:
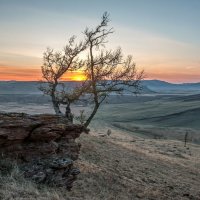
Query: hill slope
[165, 87]
[122, 167]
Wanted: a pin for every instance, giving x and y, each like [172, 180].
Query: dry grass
[13, 186]
[120, 167]
[131, 168]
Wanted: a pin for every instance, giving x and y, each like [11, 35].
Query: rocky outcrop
[43, 145]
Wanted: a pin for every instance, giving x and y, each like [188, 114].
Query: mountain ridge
[149, 87]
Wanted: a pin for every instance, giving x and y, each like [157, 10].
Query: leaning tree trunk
[56, 106]
[68, 113]
[86, 124]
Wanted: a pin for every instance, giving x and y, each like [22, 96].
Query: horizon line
[81, 81]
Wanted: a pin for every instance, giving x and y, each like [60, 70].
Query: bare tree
[107, 71]
[55, 65]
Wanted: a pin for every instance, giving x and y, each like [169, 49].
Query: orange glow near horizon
[9, 73]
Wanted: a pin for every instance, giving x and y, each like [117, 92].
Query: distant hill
[149, 87]
[166, 87]
[19, 87]
[24, 87]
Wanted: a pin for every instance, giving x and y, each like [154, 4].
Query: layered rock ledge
[43, 145]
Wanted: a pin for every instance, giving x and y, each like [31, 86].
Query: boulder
[43, 145]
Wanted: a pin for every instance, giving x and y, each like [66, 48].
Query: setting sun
[78, 77]
[74, 76]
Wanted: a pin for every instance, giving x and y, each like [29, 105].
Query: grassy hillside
[118, 167]
[163, 117]
[143, 158]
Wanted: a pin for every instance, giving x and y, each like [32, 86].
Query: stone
[43, 145]
[39, 177]
[109, 132]
[102, 134]
[61, 163]
[75, 171]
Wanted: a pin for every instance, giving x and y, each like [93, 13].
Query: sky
[162, 35]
